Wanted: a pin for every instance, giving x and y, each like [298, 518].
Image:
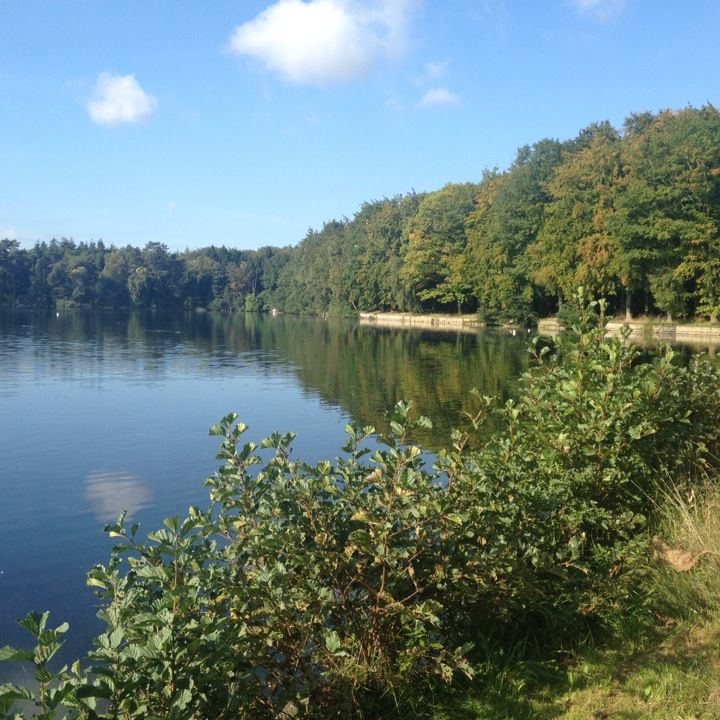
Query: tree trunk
[628, 311]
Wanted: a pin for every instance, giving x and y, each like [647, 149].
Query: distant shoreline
[648, 329]
[437, 321]
[651, 330]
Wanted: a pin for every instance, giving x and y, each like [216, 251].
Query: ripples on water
[105, 412]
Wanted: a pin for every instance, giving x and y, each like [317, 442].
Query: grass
[668, 670]
[677, 677]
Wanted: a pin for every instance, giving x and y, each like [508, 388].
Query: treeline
[65, 273]
[632, 215]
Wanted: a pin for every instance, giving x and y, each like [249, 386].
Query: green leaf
[11, 653]
[11, 691]
[34, 622]
[116, 637]
[182, 699]
[332, 641]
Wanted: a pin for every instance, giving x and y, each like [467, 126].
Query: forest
[630, 214]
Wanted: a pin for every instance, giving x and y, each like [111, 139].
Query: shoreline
[651, 330]
[437, 321]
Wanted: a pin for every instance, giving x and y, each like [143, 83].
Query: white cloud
[432, 73]
[436, 70]
[321, 42]
[600, 9]
[439, 96]
[8, 234]
[119, 99]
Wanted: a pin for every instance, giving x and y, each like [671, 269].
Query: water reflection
[363, 369]
[110, 493]
[367, 370]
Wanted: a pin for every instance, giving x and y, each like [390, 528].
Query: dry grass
[692, 527]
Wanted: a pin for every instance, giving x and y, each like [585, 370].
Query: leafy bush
[349, 588]
[564, 493]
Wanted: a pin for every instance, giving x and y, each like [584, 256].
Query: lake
[105, 412]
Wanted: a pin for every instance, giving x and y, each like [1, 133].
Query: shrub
[563, 495]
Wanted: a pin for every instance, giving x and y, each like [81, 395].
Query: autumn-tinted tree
[575, 245]
[435, 261]
[668, 210]
[508, 215]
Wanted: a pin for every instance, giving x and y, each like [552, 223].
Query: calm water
[106, 412]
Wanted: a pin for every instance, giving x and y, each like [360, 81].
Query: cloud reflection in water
[109, 493]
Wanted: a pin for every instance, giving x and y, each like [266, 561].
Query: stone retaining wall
[660, 330]
[451, 322]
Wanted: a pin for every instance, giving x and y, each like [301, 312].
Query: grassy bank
[675, 676]
[659, 666]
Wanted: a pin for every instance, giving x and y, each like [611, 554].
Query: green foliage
[574, 245]
[55, 691]
[509, 212]
[356, 587]
[434, 259]
[373, 256]
[580, 456]
[310, 283]
[310, 587]
[14, 271]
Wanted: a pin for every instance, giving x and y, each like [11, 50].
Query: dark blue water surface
[105, 412]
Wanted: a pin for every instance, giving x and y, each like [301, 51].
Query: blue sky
[245, 123]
